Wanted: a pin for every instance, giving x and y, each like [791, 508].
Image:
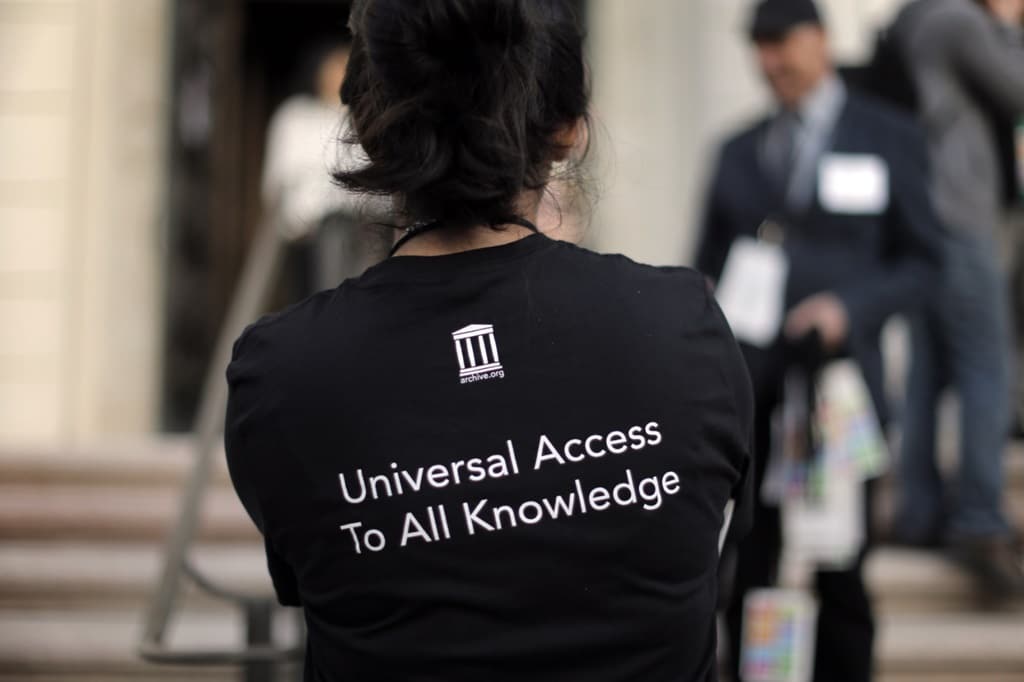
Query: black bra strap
[430, 225]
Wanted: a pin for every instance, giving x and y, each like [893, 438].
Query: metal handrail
[158, 653]
[219, 591]
[251, 295]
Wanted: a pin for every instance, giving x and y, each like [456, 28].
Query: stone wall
[83, 102]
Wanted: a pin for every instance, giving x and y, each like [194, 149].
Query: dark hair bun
[446, 41]
[458, 103]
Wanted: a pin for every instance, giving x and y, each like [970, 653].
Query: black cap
[773, 19]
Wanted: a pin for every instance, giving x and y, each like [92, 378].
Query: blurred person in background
[324, 226]
[858, 249]
[493, 456]
[963, 58]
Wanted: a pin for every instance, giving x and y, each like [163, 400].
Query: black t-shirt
[503, 464]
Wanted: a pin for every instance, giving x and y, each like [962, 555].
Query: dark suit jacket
[878, 265]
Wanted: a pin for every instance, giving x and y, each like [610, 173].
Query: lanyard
[431, 225]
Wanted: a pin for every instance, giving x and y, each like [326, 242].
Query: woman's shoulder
[635, 294]
[680, 281]
[276, 336]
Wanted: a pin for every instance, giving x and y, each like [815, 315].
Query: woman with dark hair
[494, 456]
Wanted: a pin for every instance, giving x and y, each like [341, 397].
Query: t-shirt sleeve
[286, 585]
[250, 449]
[736, 377]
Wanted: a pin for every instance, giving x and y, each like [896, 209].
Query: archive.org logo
[477, 350]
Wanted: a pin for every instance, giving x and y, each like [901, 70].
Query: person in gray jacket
[964, 58]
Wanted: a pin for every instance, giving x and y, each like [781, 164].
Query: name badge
[752, 289]
[853, 184]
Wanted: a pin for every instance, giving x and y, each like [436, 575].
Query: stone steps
[153, 462]
[78, 574]
[50, 589]
[964, 645]
[100, 644]
[98, 512]
[907, 581]
[81, 542]
[124, 492]
[80, 548]
[81, 575]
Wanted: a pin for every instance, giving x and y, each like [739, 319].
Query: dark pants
[846, 628]
[961, 340]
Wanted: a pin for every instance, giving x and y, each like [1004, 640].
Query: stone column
[83, 101]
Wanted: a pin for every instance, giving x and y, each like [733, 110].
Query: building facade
[83, 119]
[85, 114]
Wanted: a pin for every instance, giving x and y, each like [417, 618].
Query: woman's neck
[442, 242]
[531, 207]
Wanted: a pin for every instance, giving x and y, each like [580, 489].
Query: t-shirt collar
[399, 267]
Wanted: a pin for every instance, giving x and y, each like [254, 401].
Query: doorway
[234, 62]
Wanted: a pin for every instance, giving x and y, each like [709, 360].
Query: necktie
[784, 153]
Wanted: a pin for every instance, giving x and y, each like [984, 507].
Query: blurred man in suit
[842, 181]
